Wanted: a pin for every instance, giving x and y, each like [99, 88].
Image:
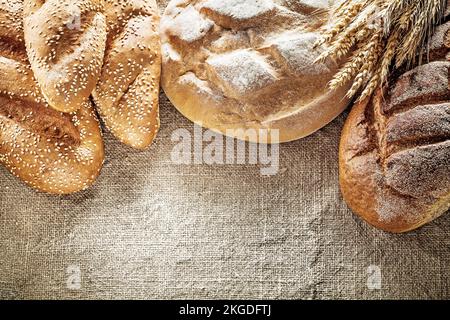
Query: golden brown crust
[395, 149]
[65, 41]
[127, 95]
[11, 18]
[52, 152]
[231, 65]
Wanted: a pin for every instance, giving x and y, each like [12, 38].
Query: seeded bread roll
[65, 41]
[230, 65]
[127, 95]
[51, 151]
[395, 148]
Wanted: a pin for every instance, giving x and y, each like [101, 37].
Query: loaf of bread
[230, 65]
[51, 151]
[127, 94]
[65, 41]
[395, 148]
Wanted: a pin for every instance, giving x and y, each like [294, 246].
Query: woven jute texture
[152, 229]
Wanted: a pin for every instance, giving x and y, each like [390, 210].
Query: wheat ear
[376, 36]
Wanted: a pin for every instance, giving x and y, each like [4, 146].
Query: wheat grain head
[377, 36]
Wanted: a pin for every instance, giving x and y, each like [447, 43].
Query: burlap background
[153, 229]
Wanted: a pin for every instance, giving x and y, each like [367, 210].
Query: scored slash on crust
[249, 65]
[395, 149]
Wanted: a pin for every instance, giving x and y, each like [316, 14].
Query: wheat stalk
[376, 36]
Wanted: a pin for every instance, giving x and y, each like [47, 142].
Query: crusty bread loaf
[127, 94]
[235, 64]
[395, 148]
[65, 41]
[50, 151]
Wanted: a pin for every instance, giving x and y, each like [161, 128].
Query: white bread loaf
[235, 64]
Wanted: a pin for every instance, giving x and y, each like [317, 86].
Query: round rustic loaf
[236, 64]
[395, 148]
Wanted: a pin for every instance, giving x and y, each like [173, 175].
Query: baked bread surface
[50, 151]
[127, 94]
[65, 41]
[395, 147]
[235, 64]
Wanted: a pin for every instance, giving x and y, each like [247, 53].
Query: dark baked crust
[395, 147]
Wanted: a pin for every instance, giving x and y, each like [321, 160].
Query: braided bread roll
[127, 94]
[395, 148]
[50, 151]
[65, 41]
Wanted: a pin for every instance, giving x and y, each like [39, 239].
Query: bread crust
[127, 94]
[395, 148]
[230, 65]
[65, 41]
[50, 151]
